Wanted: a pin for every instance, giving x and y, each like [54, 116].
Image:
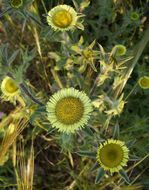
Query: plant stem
[30, 95]
[131, 91]
[57, 78]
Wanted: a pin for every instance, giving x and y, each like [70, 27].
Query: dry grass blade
[24, 168]
[12, 132]
[30, 168]
[9, 118]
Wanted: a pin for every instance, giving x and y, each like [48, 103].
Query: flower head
[112, 155]
[62, 18]
[134, 16]
[16, 3]
[119, 50]
[69, 110]
[144, 82]
[9, 89]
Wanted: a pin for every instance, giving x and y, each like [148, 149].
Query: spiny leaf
[33, 17]
[13, 56]
[116, 131]
[133, 158]
[88, 131]
[90, 154]
[95, 166]
[130, 143]
[100, 175]
[124, 176]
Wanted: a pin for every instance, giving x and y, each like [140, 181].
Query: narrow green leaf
[124, 176]
[5, 11]
[41, 109]
[100, 175]
[116, 131]
[88, 131]
[133, 158]
[95, 166]
[90, 154]
[31, 16]
[13, 56]
[130, 143]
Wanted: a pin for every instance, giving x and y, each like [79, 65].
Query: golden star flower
[62, 18]
[16, 3]
[112, 155]
[119, 50]
[144, 82]
[69, 110]
[9, 89]
[134, 16]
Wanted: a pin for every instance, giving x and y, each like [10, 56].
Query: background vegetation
[42, 61]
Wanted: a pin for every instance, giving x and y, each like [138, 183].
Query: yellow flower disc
[62, 19]
[69, 110]
[112, 155]
[144, 82]
[8, 87]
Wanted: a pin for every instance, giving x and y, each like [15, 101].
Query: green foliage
[100, 175]
[41, 61]
[124, 176]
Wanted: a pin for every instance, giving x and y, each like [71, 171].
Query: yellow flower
[9, 89]
[16, 3]
[62, 18]
[134, 16]
[119, 50]
[112, 155]
[69, 110]
[144, 82]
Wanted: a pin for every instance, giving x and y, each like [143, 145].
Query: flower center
[120, 51]
[144, 82]
[16, 3]
[10, 86]
[111, 155]
[69, 110]
[62, 18]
